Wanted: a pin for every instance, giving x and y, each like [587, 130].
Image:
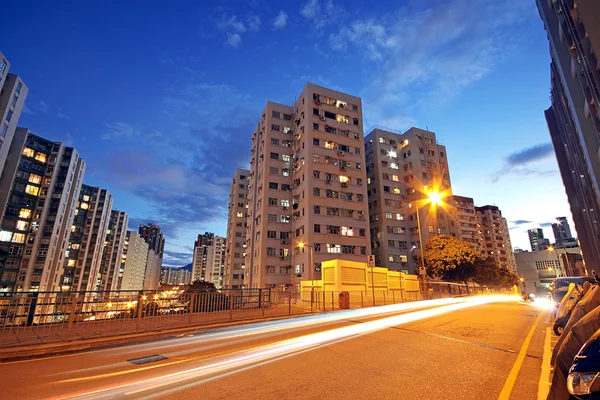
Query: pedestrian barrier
[49, 317]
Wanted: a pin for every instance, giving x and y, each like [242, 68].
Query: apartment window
[317, 209]
[391, 243]
[271, 252]
[316, 191]
[388, 215]
[24, 213]
[286, 158]
[32, 190]
[359, 181]
[430, 228]
[4, 130]
[391, 258]
[272, 201]
[18, 238]
[9, 116]
[2, 66]
[274, 171]
[348, 249]
[272, 218]
[382, 140]
[275, 142]
[424, 175]
[316, 142]
[399, 217]
[316, 158]
[274, 156]
[19, 86]
[276, 128]
[284, 219]
[272, 234]
[386, 189]
[442, 154]
[273, 185]
[316, 127]
[317, 228]
[346, 231]
[284, 203]
[241, 195]
[14, 101]
[285, 172]
[334, 248]
[5, 236]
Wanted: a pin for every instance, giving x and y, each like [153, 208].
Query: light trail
[268, 353]
[264, 329]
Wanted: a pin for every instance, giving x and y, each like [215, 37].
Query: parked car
[561, 285]
[584, 376]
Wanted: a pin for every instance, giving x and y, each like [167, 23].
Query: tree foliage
[450, 259]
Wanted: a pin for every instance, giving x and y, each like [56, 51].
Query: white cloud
[232, 24]
[310, 9]
[119, 130]
[280, 21]
[234, 40]
[321, 14]
[254, 23]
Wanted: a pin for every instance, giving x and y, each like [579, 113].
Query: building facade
[135, 257]
[39, 189]
[113, 250]
[496, 239]
[537, 240]
[469, 223]
[562, 231]
[307, 186]
[152, 273]
[208, 263]
[12, 99]
[237, 223]
[154, 237]
[574, 117]
[176, 276]
[402, 169]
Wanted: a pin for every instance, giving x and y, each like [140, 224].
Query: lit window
[393, 166]
[285, 203]
[286, 158]
[396, 190]
[388, 215]
[86, 197]
[344, 179]
[341, 118]
[392, 154]
[399, 217]
[240, 215]
[32, 190]
[345, 231]
[430, 228]
[75, 246]
[334, 248]
[391, 258]
[40, 157]
[25, 213]
[18, 238]
[71, 263]
[368, 181]
[84, 206]
[329, 145]
[395, 178]
[73, 228]
[28, 152]
[22, 225]
[381, 140]
[284, 218]
[5, 236]
[35, 179]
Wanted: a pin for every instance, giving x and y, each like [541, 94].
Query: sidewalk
[550, 340]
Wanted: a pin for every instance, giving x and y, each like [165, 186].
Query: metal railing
[44, 317]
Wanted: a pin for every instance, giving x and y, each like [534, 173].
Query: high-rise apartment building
[496, 239]
[237, 217]
[562, 231]
[468, 222]
[13, 93]
[574, 117]
[208, 264]
[307, 186]
[113, 250]
[537, 240]
[152, 273]
[81, 270]
[135, 257]
[176, 276]
[39, 189]
[403, 169]
[154, 237]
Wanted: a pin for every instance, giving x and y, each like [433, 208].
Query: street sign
[371, 261]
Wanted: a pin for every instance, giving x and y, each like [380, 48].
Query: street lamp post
[312, 271]
[434, 198]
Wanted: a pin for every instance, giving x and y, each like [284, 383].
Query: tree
[486, 272]
[448, 258]
[200, 285]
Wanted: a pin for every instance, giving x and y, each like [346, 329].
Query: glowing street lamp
[552, 249]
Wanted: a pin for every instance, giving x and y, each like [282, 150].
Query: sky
[161, 100]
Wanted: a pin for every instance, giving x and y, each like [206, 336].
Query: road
[446, 349]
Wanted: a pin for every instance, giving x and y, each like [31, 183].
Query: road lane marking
[514, 372]
[544, 384]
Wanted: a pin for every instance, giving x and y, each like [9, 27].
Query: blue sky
[161, 99]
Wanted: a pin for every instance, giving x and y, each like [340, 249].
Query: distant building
[135, 257]
[209, 258]
[152, 272]
[496, 239]
[12, 99]
[175, 276]
[112, 255]
[154, 237]
[469, 222]
[237, 222]
[537, 240]
[86, 241]
[562, 231]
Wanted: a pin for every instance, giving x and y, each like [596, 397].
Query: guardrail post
[393, 297]
[362, 299]
[332, 301]
[290, 303]
[384, 302]
[232, 301]
[191, 308]
[138, 319]
[74, 301]
[324, 304]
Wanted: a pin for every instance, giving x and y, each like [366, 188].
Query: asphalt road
[462, 350]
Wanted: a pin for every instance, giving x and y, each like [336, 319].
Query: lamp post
[560, 268]
[433, 198]
[312, 272]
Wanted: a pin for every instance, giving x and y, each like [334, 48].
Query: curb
[19, 353]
